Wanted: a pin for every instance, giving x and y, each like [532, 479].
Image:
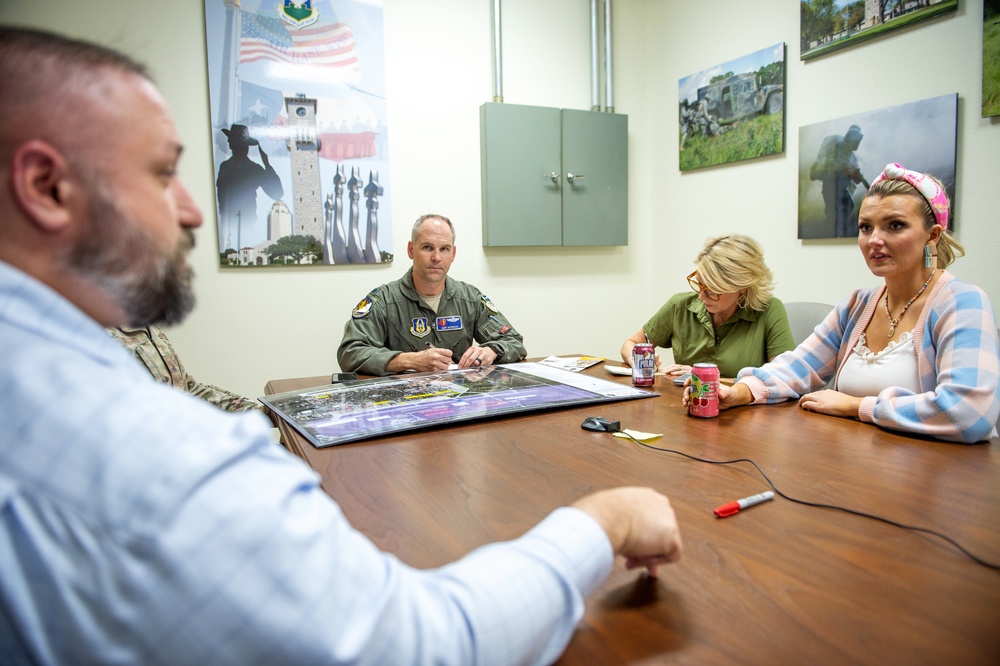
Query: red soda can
[643, 364]
[704, 398]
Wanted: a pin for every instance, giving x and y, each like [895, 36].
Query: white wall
[253, 326]
[759, 197]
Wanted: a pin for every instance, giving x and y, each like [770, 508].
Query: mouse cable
[862, 514]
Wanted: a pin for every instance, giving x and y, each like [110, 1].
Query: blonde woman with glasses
[729, 317]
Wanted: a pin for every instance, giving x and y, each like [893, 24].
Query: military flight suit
[153, 349]
[392, 319]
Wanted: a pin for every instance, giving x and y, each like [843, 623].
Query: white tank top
[866, 373]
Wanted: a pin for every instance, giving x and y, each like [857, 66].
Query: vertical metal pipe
[497, 53]
[231, 48]
[595, 85]
[609, 100]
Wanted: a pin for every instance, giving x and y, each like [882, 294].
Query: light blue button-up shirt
[140, 525]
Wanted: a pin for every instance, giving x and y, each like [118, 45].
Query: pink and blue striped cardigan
[957, 357]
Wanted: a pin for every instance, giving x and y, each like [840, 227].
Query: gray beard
[122, 259]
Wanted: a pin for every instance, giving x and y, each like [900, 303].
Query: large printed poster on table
[362, 409]
[299, 134]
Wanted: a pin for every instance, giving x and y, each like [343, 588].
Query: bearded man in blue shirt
[141, 525]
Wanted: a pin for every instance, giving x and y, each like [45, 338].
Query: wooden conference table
[779, 583]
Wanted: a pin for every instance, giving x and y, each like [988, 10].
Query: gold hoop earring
[741, 302]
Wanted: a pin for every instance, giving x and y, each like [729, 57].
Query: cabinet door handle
[553, 176]
[573, 176]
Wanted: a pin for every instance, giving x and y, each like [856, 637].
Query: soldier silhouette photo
[837, 167]
[238, 180]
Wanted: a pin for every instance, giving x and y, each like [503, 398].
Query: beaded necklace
[893, 322]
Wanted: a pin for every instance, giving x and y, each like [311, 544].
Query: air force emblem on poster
[452, 323]
[489, 304]
[363, 308]
[419, 327]
[299, 14]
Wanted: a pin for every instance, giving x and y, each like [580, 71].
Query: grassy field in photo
[991, 67]
[893, 23]
[746, 139]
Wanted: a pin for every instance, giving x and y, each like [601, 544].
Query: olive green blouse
[748, 339]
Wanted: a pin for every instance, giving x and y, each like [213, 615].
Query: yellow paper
[639, 435]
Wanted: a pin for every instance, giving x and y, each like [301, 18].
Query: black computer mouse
[600, 424]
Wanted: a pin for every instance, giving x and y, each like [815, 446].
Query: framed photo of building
[830, 25]
[733, 111]
[299, 133]
[839, 158]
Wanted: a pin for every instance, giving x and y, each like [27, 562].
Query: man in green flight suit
[426, 321]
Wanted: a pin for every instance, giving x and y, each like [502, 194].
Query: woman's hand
[831, 402]
[674, 369]
[729, 396]
[629, 345]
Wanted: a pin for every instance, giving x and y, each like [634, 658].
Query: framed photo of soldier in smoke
[839, 158]
[299, 133]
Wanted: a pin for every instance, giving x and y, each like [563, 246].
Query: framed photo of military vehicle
[839, 158]
[734, 111]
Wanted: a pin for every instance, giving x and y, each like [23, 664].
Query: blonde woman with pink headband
[917, 354]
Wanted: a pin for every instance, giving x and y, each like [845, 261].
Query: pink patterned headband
[927, 187]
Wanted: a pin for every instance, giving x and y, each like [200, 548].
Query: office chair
[804, 316]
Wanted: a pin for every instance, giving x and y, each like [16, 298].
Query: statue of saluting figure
[239, 178]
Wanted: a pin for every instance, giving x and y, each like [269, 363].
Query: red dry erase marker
[734, 507]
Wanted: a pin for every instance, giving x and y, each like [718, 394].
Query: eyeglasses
[698, 287]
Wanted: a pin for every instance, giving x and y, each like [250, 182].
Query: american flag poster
[299, 134]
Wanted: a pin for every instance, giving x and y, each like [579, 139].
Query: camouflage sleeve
[148, 348]
[363, 347]
[494, 329]
[221, 398]
[153, 349]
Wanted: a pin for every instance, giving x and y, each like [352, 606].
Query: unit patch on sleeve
[419, 327]
[451, 323]
[363, 308]
[489, 304]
